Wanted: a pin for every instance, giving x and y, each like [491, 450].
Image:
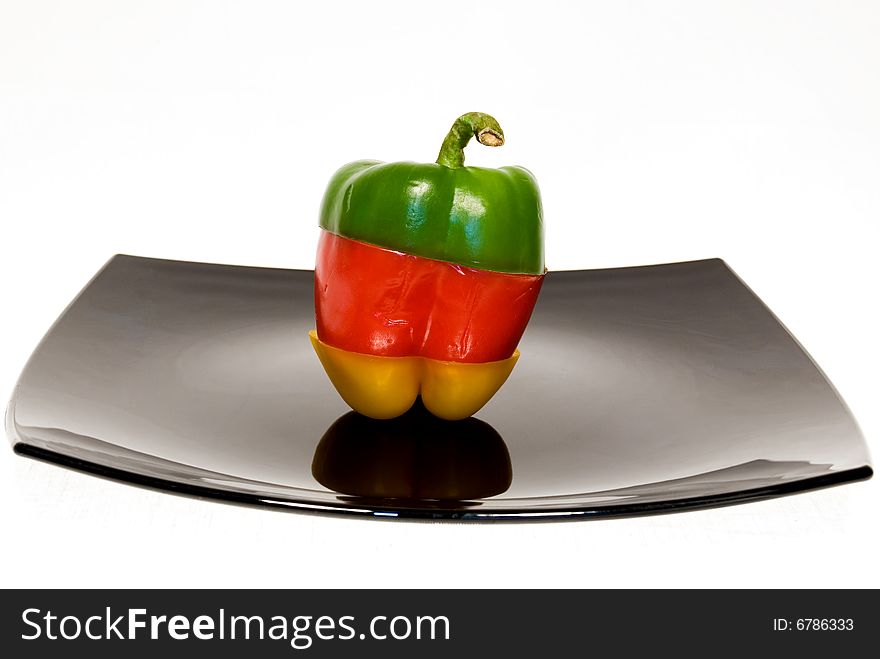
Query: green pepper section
[473, 216]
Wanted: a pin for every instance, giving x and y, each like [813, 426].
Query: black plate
[639, 390]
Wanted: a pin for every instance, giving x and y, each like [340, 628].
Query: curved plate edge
[571, 513]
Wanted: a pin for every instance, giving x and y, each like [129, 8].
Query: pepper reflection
[415, 457]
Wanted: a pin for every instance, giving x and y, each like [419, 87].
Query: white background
[659, 131]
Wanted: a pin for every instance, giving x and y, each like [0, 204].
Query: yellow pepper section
[386, 387]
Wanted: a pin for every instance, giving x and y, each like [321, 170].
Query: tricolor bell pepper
[426, 276]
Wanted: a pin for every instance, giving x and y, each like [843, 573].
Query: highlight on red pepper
[426, 276]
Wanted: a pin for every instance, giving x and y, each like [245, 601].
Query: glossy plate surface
[639, 390]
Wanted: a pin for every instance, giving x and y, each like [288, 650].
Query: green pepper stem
[473, 124]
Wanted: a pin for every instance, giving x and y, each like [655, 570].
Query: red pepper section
[391, 304]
